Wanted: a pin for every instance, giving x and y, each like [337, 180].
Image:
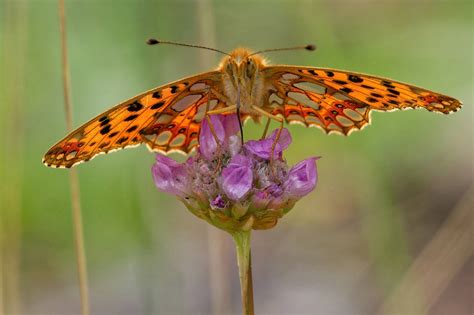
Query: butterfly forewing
[166, 118]
[340, 101]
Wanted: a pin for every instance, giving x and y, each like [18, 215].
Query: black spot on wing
[387, 84]
[157, 105]
[105, 130]
[376, 95]
[131, 117]
[393, 91]
[133, 128]
[355, 78]
[103, 145]
[104, 122]
[122, 140]
[135, 106]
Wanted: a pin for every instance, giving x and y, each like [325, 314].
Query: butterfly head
[242, 65]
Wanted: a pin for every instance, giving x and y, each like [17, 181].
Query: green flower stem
[242, 246]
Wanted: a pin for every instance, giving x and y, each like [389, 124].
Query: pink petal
[170, 176]
[231, 125]
[262, 148]
[302, 178]
[237, 178]
[207, 141]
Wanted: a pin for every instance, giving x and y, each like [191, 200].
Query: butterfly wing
[166, 118]
[340, 101]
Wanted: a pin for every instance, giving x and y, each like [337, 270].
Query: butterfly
[168, 118]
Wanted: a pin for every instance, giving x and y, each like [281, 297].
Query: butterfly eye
[251, 68]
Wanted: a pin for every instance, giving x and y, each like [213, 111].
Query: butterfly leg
[267, 124]
[213, 131]
[228, 109]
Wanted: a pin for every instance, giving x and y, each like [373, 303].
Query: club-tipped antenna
[310, 47]
[153, 41]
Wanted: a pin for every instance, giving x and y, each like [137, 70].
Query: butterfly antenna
[310, 47]
[153, 41]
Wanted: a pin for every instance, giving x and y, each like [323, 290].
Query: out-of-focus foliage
[383, 193]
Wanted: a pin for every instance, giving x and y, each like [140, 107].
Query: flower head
[235, 186]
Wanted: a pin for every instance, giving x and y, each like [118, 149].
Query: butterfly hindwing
[166, 118]
[341, 101]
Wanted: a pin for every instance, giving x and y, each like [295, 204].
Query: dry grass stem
[73, 178]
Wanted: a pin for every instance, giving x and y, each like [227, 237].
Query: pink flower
[236, 181]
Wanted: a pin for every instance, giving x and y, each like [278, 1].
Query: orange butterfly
[168, 118]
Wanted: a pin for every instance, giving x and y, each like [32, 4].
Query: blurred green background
[385, 232]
